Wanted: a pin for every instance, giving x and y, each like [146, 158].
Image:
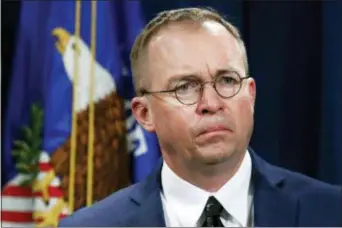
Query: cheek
[172, 122]
[243, 113]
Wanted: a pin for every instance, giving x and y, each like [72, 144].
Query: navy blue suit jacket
[281, 198]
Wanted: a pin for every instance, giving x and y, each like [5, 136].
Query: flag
[142, 144]
[69, 131]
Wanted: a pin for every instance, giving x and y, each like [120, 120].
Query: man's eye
[227, 80]
[187, 86]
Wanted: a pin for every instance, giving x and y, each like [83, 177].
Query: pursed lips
[214, 128]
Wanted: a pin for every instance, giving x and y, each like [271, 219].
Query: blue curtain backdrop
[295, 52]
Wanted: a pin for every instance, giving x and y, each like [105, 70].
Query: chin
[214, 154]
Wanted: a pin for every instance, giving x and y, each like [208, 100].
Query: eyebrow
[179, 77]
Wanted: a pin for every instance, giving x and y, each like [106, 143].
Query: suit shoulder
[320, 203]
[304, 186]
[109, 210]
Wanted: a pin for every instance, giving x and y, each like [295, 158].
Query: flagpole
[73, 145]
[90, 169]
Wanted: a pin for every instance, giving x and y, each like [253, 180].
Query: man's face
[213, 129]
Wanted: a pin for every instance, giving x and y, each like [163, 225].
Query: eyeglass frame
[202, 84]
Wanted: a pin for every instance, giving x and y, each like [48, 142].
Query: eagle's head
[74, 50]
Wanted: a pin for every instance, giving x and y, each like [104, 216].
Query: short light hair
[177, 15]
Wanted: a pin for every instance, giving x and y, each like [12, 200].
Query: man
[193, 89]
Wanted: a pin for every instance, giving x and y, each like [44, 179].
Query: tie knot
[213, 207]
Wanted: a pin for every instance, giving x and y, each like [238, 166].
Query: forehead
[189, 48]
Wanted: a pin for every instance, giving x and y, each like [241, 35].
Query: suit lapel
[146, 196]
[272, 207]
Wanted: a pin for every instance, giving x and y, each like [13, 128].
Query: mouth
[214, 130]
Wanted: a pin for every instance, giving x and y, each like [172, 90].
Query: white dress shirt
[183, 203]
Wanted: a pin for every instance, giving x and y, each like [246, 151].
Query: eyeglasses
[190, 91]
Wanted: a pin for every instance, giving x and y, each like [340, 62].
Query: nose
[210, 101]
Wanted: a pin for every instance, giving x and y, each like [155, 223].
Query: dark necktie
[212, 213]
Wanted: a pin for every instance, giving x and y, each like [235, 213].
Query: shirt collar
[234, 195]
[183, 196]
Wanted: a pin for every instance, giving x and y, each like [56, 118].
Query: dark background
[295, 55]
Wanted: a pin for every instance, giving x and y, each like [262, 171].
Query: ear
[142, 113]
[252, 91]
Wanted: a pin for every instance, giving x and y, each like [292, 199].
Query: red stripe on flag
[22, 217]
[45, 167]
[62, 216]
[27, 192]
[17, 191]
[10, 216]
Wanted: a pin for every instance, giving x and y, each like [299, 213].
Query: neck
[209, 177]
